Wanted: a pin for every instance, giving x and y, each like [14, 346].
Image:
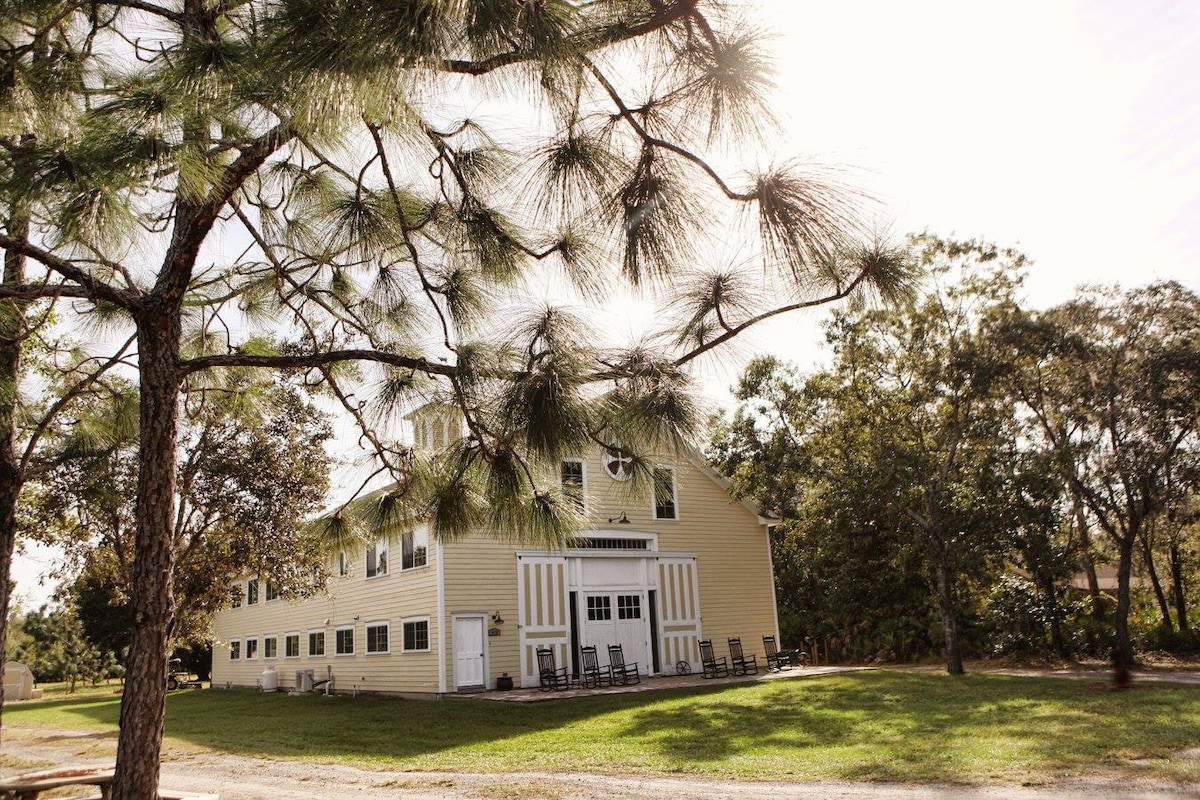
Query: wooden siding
[353, 600]
[481, 577]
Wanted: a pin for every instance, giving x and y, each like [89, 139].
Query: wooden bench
[30, 784]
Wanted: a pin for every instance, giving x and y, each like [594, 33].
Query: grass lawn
[872, 726]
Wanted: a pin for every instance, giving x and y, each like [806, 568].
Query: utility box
[304, 680]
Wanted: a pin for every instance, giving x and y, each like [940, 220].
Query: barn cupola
[436, 426]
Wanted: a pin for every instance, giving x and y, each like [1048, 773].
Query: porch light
[621, 520]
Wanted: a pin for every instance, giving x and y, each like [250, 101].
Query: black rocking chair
[551, 678]
[622, 673]
[593, 675]
[742, 665]
[713, 667]
[776, 660]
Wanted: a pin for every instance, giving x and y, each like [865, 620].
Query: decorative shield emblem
[616, 463]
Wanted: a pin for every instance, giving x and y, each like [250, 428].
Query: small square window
[291, 645]
[252, 591]
[316, 643]
[377, 637]
[235, 650]
[629, 606]
[270, 647]
[251, 648]
[664, 494]
[416, 635]
[344, 646]
[599, 608]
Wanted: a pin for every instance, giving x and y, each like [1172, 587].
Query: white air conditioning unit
[304, 680]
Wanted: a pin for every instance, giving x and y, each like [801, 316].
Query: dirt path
[242, 778]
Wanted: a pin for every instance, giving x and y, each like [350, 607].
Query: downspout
[771, 566]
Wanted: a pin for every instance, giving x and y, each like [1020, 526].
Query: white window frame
[338, 630]
[413, 534]
[232, 644]
[251, 640]
[381, 545]
[367, 635]
[321, 654]
[287, 636]
[428, 635]
[583, 481]
[674, 494]
[252, 582]
[274, 639]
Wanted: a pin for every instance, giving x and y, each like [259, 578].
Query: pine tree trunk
[12, 320]
[143, 706]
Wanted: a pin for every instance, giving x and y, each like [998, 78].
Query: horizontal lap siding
[481, 577]
[390, 598]
[730, 545]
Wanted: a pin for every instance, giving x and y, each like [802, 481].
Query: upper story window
[377, 558]
[236, 595]
[414, 549]
[272, 591]
[666, 499]
[571, 474]
[343, 563]
[252, 591]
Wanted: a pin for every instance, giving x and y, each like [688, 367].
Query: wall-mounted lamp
[326, 622]
[621, 520]
[356, 616]
[497, 619]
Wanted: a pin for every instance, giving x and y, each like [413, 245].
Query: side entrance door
[470, 638]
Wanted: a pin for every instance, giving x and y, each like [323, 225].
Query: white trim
[288, 635]
[353, 644]
[441, 612]
[367, 637]
[246, 650]
[270, 637]
[771, 567]
[229, 650]
[674, 494]
[428, 635]
[324, 643]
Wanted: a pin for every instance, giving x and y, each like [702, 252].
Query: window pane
[252, 592]
[270, 647]
[345, 641]
[251, 648]
[664, 494]
[416, 635]
[316, 643]
[599, 608]
[572, 482]
[291, 647]
[377, 638]
[629, 606]
[272, 591]
[235, 651]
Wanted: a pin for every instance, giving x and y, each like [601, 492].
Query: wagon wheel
[683, 668]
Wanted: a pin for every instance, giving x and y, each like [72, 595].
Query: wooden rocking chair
[550, 677]
[776, 661]
[742, 665]
[593, 675]
[713, 667]
[622, 673]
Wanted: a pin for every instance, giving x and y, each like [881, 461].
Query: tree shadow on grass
[865, 726]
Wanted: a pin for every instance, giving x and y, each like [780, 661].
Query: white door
[469, 641]
[619, 617]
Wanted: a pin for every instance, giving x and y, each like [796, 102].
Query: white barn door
[542, 611]
[679, 612]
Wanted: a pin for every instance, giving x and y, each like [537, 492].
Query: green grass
[876, 726]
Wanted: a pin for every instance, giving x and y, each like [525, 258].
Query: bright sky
[1068, 129]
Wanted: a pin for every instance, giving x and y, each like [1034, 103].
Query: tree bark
[1178, 587]
[1085, 554]
[1121, 627]
[143, 706]
[1164, 608]
[945, 585]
